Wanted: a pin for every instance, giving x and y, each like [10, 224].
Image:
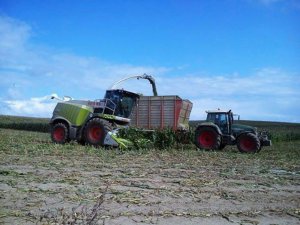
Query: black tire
[95, 131]
[222, 146]
[248, 143]
[60, 133]
[207, 138]
[81, 142]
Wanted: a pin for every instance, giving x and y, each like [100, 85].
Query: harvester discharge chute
[144, 76]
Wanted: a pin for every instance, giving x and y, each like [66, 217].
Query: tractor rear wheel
[207, 138]
[95, 131]
[248, 143]
[60, 133]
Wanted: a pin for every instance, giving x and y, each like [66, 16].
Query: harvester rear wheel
[95, 131]
[207, 138]
[60, 133]
[248, 143]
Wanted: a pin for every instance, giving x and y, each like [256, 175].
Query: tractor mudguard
[209, 124]
[242, 133]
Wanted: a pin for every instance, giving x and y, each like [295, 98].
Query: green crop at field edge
[25, 123]
[277, 131]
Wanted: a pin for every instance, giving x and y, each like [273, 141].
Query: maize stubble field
[45, 183]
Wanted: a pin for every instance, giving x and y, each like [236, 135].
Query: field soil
[43, 183]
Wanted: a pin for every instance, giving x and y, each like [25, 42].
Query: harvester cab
[220, 130]
[120, 102]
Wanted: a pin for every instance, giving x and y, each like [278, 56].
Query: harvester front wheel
[60, 133]
[207, 138]
[95, 131]
[248, 143]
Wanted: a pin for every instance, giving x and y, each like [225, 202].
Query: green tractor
[220, 130]
[95, 122]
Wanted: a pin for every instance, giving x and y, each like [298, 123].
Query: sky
[242, 55]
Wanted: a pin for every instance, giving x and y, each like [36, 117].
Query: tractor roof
[217, 111]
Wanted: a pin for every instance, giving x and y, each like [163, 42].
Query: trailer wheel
[95, 131]
[60, 133]
[207, 138]
[248, 143]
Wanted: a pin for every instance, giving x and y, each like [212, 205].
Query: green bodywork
[239, 128]
[236, 129]
[75, 114]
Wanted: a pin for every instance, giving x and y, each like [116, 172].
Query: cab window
[127, 103]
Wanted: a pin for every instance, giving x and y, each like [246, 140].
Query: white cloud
[267, 81]
[27, 71]
[267, 94]
[38, 107]
[13, 36]
[25, 67]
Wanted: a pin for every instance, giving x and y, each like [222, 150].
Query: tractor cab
[120, 102]
[223, 119]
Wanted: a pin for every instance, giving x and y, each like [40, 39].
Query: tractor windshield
[220, 119]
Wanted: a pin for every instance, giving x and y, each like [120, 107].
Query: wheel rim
[247, 144]
[95, 133]
[207, 139]
[59, 134]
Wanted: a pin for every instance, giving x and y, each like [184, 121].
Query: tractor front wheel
[207, 138]
[95, 131]
[248, 143]
[60, 133]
